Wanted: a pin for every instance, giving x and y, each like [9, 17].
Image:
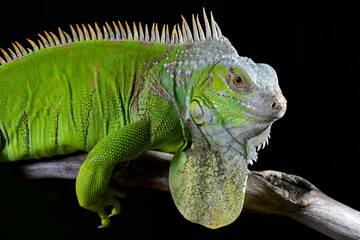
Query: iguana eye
[238, 80]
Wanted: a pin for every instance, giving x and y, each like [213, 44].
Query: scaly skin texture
[116, 98]
[66, 98]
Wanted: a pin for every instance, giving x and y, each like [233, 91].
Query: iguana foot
[108, 198]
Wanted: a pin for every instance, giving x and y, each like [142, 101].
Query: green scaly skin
[115, 99]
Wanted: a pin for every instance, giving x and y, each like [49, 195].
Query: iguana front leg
[92, 188]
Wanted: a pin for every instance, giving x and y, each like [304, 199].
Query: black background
[312, 46]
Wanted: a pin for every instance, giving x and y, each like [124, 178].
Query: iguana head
[236, 103]
[227, 105]
[231, 99]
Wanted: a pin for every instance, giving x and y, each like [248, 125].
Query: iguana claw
[112, 193]
[105, 222]
[116, 209]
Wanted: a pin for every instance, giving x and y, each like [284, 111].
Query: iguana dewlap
[116, 92]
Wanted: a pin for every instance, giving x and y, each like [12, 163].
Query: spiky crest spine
[182, 35]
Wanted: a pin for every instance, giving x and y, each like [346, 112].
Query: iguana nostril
[276, 106]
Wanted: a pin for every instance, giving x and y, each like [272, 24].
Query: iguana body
[117, 93]
[72, 103]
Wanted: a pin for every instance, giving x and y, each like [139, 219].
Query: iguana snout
[278, 105]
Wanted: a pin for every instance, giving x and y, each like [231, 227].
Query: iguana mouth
[259, 112]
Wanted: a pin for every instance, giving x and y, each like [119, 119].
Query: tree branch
[268, 192]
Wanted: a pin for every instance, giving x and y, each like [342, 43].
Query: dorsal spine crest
[182, 35]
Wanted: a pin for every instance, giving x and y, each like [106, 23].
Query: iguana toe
[116, 209]
[105, 221]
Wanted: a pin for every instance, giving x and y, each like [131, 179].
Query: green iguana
[118, 92]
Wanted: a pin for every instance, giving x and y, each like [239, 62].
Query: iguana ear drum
[197, 112]
[200, 113]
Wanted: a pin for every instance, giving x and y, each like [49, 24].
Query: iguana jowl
[117, 92]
